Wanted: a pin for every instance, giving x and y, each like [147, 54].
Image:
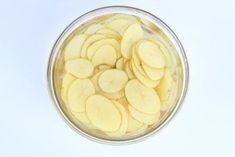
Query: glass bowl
[180, 65]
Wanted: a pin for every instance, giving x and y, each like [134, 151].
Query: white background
[29, 123]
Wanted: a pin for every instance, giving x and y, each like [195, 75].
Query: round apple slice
[112, 80]
[102, 113]
[150, 54]
[105, 54]
[124, 122]
[90, 40]
[78, 92]
[74, 46]
[131, 36]
[96, 45]
[142, 98]
[143, 117]
[80, 68]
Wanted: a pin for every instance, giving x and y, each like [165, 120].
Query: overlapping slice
[132, 35]
[130, 18]
[80, 68]
[112, 80]
[91, 50]
[143, 117]
[128, 70]
[78, 92]
[109, 32]
[133, 125]
[66, 82]
[93, 28]
[144, 80]
[164, 50]
[103, 114]
[150, 54]
[153, 73]
[104, 67]
[73, 48]
[142, 98]
[90, 40]
[105, 54]
[119, 25]
[120, 64]
[140, 73]
[124, 121]
[82, 117]
[165, 89]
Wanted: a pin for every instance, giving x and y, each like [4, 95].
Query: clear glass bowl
[56, 63]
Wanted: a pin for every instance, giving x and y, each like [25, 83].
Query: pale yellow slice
[102, 113]
[128, 70]
[95, 46]
[78, 92]
[73, 47]
[124, 122]
[131, 36]
[90, 40]
[104, 67]
[150, 54]
[93, 28]
[142, 98]
[105, 54]
[138, 132]
[122, 16]
[165, 86]
[133, 124]
[153, 73]
[144, 80]
[120, 64]
[143, 117]
[82, 117]
[110, 32]
[119, 25]
[66, 82]
[116, 95]
[139, 72]
[112, 80]
[164, 49]
[80, 68]
[137, 62]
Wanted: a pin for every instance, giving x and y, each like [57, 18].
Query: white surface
[29, 123]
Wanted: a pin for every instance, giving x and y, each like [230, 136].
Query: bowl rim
[118, 9]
